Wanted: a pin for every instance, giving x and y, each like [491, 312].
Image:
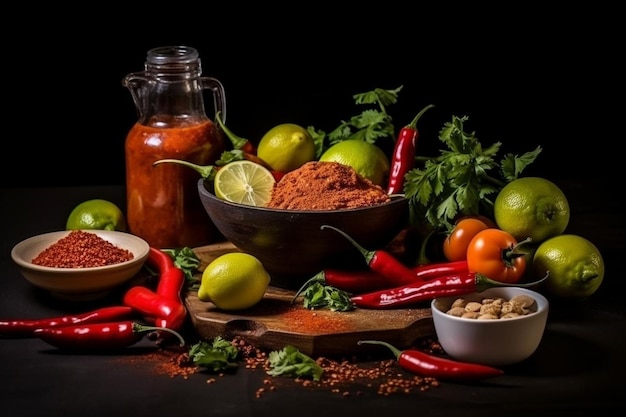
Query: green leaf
[512, 165]
[229, 156]
[318, 296]
[319, 139]
[289, 361]
[459, 180]
[185, 259]
[220, 355]
[370, 125]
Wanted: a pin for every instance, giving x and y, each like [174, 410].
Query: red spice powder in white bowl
[80, 265]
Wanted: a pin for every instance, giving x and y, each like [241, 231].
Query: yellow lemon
[96, 214]
[286, 147]
[574, 265]
[531, 207]
[244, 182]
[365, 158]
[234, 281]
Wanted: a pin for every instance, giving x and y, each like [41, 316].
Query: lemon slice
[244, 182]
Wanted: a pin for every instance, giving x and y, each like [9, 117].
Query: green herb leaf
[227, 157]
[289, 361]
[371, 125]
[512, 165]
[459, 180]
[318, 296]
[220, 355]
[185, 259]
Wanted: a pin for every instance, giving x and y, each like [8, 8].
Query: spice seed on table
[343, 376]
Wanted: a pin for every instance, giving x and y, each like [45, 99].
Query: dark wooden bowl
[291, 244]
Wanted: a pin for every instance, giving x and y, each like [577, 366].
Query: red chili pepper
[443, 286]
[382, 262]
[403, 157]
[427, 365]
[238, 142]
[360, 281]
[25, 328]
[171, 278]
[253, 158]
[98, 336]
[165, 312]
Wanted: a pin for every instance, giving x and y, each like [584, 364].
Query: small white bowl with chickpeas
[499, 326]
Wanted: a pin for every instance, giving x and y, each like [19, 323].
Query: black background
[525, 77]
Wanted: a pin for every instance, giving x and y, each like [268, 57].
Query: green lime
[244, 182]
[96, 214]
[234, 281]
[286, 147]
[365, 158]
[574, 265]
[532, 207]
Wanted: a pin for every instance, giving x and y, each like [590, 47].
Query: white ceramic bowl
[491, 342]
[79, 283]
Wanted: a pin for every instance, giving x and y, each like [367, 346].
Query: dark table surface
[577, 370]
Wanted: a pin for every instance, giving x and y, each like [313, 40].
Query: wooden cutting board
[276, 322]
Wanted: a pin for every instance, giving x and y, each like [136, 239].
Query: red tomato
[484, 219]
[456, 243]
[493, 253]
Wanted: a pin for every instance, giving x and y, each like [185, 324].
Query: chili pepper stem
[484, 283]
[396, 352]
[366, 253]
[140, 328]
[206, 171]
[237, 141]
[319, 277]
[413, 123]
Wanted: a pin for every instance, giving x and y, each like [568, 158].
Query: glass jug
[163, 205]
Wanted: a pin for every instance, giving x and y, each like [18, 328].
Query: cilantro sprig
[371, 125]
[216, 356]
[316, 294]
[186, 260]
[462, 180]
[289, 361]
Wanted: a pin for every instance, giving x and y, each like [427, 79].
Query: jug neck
[169, 92]
[173, 64]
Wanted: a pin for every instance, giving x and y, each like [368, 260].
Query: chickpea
[493, 308]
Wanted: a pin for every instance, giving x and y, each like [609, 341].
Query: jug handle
[134, 82]
[219, 98]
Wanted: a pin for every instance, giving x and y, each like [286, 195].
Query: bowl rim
[141, 256]
[394, 199]
[542, 307]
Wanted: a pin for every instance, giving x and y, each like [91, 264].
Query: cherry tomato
[456, 243]
[493, 252]
[484, 219]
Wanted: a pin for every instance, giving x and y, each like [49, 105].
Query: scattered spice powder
[311, 322]
[80, 249]
[345, 377]
[319, 185]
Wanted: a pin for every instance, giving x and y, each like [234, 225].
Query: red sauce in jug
[163, 205]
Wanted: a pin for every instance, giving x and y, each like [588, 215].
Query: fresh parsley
[186, 260]
[458, 181]
[289, 361]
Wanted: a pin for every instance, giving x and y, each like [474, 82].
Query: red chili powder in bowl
[81, 249]
[319, 185]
